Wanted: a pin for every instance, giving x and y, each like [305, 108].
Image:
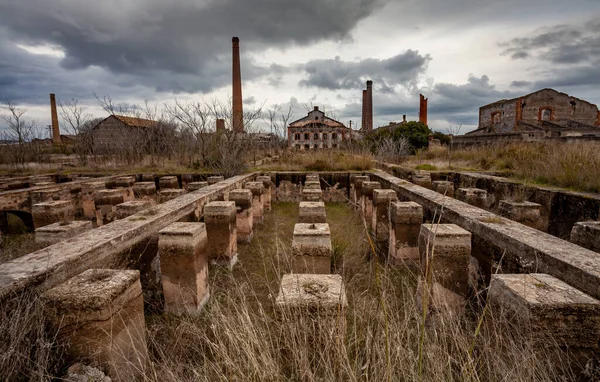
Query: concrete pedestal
[244, 216]
[145, 191]
[422, 178]
[356, 190]
[367, 199]
[381, 213]
[269, 190]
[587, 235]
[445, 251]
[184, 267]
[193, 186]
[55, 211]
[220, 219]
[258, 203]
[169, 194]
[99, 316]
[126, 209]
[215, 179]
[444, 187]
[473, 196]
[311, 248]
[106, 202]
[168, 182]
[312, 185]
[88, 195]
[312, 177]
[312, 212]
[57, 232]
[405, 225]
[527, 213]
[312, 195]
[124, 181]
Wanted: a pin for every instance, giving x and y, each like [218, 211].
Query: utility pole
[350, 123]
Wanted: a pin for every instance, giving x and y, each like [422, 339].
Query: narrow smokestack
[220, 125]
[422, 109]
[369, 120]
[238, 111]
[404, 118]
[55, 129]
[363, 124]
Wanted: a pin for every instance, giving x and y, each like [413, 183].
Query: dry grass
[320, 161]
[569, 165]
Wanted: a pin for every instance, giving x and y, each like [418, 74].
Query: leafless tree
[21, 131]
[278, 121]
[452, 131]
[392, 151]
[196, 120]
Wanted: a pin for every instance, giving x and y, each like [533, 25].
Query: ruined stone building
[113, 129]
[543, 114]
[317, 131]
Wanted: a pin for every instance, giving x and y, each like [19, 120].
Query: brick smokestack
[238, 111]
[363, 123]
[220, 125]
[55, 128]
[369, 121]
[422, 109]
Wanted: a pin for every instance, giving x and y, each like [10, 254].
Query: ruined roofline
[532, 93]
[130, 121]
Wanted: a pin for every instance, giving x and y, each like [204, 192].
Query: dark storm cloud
[153, 39]
[334, 74]
[559, 44]
[520, 84]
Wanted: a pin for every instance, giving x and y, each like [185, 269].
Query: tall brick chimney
[363, 124]
[55, 128]
[238, 111]
[422, 109]
[369, 121]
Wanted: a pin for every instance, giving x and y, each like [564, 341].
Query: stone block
[312, 195]
[169, 194]
[311, 248]
[312, 185]
[549, 311]
[42, 184]
[312, 178]
[220, 219]
[244, 216]
[88, 195]
[46, 195]
[356, 188]
[215, 179]
[168, 182]
[106, 201]
[147, 177]
[367, 198]
[193, 186]
[527, 213]
[145, 190]
[57, 232]
[445, 252]
[258, 203]
[99, 316]
[587, 235]
[421, 178]
[312, 212]
[269, 190]
[380, 224]
[184, 266]
[405, 225]
[132, 207]
[444, 187]
[109, 197]
[55, 211]
[473, 196]
[124, 181]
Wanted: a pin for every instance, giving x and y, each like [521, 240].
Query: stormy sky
[461, 54]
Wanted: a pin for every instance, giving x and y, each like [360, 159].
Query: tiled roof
[136, 122]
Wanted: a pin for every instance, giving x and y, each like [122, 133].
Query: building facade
[114, 131]
[317, 131]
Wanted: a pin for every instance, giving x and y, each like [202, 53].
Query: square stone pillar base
[380, 223]
[405, 225]
[55, 211]
[422, 178]
[587, 235]
[312, 212]
[168, 182]
[127, 209]
[244, 216]
[214, 179]
[312, 195]
[220, 219]
[269, 190]
[311, 248]
[57, 232]
[444, 187]
[473, 196]
[167, 194]
[193, 186]
[258, 202]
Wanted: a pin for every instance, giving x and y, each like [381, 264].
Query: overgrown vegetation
[322, 160]
[416, 133]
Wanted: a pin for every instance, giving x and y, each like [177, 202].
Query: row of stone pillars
[99, 313]
[552, 312]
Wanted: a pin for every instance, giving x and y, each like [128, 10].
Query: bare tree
[278, 122]
[392, 150]
[452, 131]
[195, 119]
[20, 130]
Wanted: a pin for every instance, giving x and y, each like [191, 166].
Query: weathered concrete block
[184, 266]
[215, 179]
[312, 212]
[322, 295]
[549, 311]
[258, 204]
[46, 195]
[99, 316]
[245, 216]
[356, 188]
[405, 225]
[56, 232]
[312, 185]
[269, 190]
[88, 195]
[55, 211]
[105, 202]
[220, 219]
[124, 181]
[527, 213]
[311, 248]
[444, 187]
[132, 207]
[312, 195]
[587, 235]
[421, 178]
[445, 251]
[193, 186]
[380, 224]
[42, 184]
[148, 177]
[367, 198]
[313, 177]
[145, 190]
[168, 182]
[473, 196]
[167, 194]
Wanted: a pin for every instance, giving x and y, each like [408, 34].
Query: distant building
[112, 130]
[543, 114]
[317, 131]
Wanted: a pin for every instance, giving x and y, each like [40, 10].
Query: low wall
[289, 185]
[522, 249]
[102, 246]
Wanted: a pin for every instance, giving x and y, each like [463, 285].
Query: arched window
[316, 136]
[306, 136]
[334, 136]
[545, 115]
[496, 117]
[306, 147]
[324, 135]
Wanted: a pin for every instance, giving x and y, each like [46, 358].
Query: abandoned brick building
[543, 114]
[115, 128]
[317, 131]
